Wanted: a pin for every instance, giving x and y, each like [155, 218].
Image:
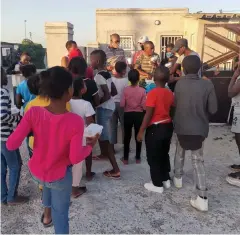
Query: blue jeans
[56, 195]
[11, 160]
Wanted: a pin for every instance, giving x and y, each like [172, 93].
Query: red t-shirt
[161, 99]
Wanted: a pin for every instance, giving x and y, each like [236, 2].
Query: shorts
[103, 118]
[236, 122]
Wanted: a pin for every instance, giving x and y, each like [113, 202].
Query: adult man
[141, 42]
[147, 63]
[181, 47]
[113, 52]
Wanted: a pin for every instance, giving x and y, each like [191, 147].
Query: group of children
[65, 102]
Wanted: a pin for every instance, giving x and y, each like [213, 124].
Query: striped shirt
[145, 64]
[7, 119]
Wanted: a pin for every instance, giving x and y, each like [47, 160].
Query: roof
[215, 15]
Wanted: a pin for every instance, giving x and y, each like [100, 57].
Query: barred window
[126, 43]
[166, 40]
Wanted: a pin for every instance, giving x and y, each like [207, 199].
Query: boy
[195, 100]
[120, 82]
[9, 159]
[105, 110]
[159, 131]
[85, 110]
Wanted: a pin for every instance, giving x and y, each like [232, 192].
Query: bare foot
[78, 191]
[90, 175]
[18, 201]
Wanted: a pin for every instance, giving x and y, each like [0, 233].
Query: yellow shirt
[40, 102]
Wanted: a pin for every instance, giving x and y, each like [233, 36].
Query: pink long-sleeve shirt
[57, 142]
[133, 99]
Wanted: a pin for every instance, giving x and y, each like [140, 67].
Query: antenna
[30, 35]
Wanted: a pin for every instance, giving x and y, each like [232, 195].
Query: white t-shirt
[82, 108]
[100, 80]
[120, 84]
[236, 100]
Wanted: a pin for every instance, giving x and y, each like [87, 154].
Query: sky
[81, 13]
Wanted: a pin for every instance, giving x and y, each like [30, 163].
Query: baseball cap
[182, 42]
[143, 39]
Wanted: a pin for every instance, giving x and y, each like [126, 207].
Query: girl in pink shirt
[58, 136]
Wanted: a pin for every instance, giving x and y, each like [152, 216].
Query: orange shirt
[161, 99]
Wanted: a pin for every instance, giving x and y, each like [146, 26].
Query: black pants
[132, 119]
[158, 140]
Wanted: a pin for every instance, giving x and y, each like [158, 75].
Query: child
[85, 110]
[133, 101]
[23, 95]
[120, 82]
[78, 67]
[195, 100]
[105, 110]
[159, 128]
[9, 159]
[58, 145]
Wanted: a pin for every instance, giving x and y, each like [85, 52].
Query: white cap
[143, 39]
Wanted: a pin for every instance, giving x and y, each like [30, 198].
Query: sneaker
[177, 182]
[234, 179]
[151, 187]
[18, 201]
[199, 204]
[167, 184]
[125, 162]
[235, 167]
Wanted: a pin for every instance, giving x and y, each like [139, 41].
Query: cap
[143, 39]
[182, 42]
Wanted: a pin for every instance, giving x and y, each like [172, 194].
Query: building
[167, 25]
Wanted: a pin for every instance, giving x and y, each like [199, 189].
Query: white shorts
[236, 122]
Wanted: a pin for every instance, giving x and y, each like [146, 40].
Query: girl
[57, 145]
[133, 101]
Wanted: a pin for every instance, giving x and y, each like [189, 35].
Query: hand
[205, 78]
[92, 140]
[109, 68]
[149, 77]
[140, 136]
[179, 72]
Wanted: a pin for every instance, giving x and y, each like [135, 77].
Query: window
[166, 40]
[126, 43]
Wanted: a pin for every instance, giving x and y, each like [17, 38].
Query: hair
[191, 64]
[54, 82]
[161, 74]
[28, 70]
[170, 45]
[33, 84]
[78, 84]
[120, 66]
[70, 43]
[24, 53]
[114, 35]
[78, 65]
[148, 43]
[133, 76]
[102, 56]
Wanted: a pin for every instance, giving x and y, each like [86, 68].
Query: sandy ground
[124, 206]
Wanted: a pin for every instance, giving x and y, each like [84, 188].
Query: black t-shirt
[91, 90]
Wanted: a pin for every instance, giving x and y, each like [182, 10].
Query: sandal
[46, 225]
[235, 167]
[111, 175]
[125, 162]
[79, 191]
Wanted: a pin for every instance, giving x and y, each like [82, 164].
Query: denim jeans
[11, 160]
[56, 195]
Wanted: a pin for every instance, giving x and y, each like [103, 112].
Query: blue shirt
[22, 89]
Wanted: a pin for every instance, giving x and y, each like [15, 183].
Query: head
[4, 79]
[114, 40]
[98, 59]
[78, 66]
[79, 87]
[133, 77]
[169, 49]
[25, 58]
[70, 45]
[121, 68]
[161, 75]
[56, 84]
[180, 46]
[33, 84]
[191, 64]
[149, 48]
[28, 70]
[142, 40]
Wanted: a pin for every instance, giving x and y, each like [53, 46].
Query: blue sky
[81, 13]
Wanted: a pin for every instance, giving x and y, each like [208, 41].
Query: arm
[22, 131]
[212, 105]
[89, 120]
[64, 62]
[141, 72]
[123, 100]
[113, 89]
[234, 87]
[143, 103]
[89, 112]
[96, 100]
[106, 93]
[19, 102]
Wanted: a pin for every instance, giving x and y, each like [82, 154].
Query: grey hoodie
[195, 99]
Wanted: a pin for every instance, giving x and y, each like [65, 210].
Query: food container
[92, 130]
